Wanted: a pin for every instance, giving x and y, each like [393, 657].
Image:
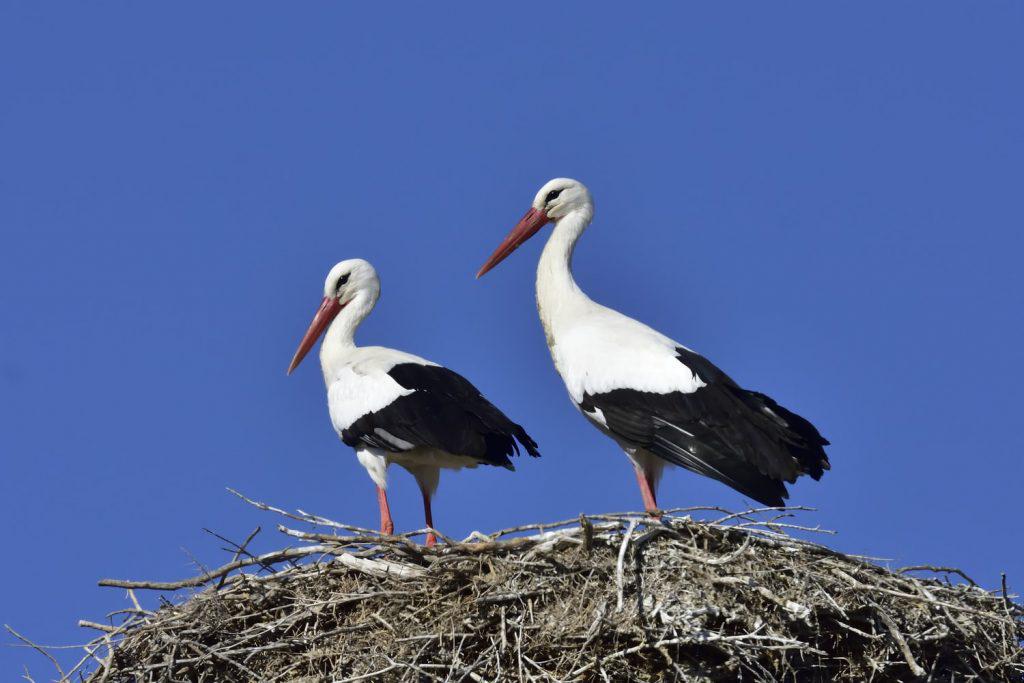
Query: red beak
[534, 220]
[329, 309]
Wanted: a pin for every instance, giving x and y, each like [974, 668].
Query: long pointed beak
[534, 220]
[329, 309]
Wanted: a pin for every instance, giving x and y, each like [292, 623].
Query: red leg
[431, 539]
[387, 526]
[647, 491]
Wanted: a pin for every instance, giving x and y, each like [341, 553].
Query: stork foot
[431, 540]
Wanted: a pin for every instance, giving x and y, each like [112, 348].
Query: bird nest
[701, 594]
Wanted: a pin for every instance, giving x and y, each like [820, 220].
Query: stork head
[349, 278]
[554, 201]
[559, 197]
[347, 281]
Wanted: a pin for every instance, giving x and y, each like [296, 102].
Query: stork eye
[341, 282]
[552, 195]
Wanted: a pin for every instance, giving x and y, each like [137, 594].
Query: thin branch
[37, 648]
[915, 668]
[266, 558]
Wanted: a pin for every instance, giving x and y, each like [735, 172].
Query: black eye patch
[341, 282]
[552, 195]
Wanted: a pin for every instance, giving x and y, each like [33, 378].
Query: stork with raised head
[660, 401]
[394, 407]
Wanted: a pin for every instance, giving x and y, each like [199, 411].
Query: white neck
[558, 295]
[339, 341]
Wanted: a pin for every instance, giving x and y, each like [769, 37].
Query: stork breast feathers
[362, 385]
[595, 358]
[354, 394]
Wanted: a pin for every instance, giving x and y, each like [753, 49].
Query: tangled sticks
[602, 597]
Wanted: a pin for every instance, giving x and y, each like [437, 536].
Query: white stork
[394, 407]
[660, 401]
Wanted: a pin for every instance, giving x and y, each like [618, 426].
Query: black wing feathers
[742, 438]
[444, 411]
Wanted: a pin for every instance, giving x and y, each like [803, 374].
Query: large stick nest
[604, 597]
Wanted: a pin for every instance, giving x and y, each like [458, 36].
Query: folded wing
[739, 437]
[439, 409]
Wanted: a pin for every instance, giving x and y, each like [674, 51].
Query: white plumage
[359, 383]
[587, 350]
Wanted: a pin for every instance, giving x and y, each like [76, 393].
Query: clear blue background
[826, 201]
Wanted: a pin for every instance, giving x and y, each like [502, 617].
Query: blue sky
[823, 199]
